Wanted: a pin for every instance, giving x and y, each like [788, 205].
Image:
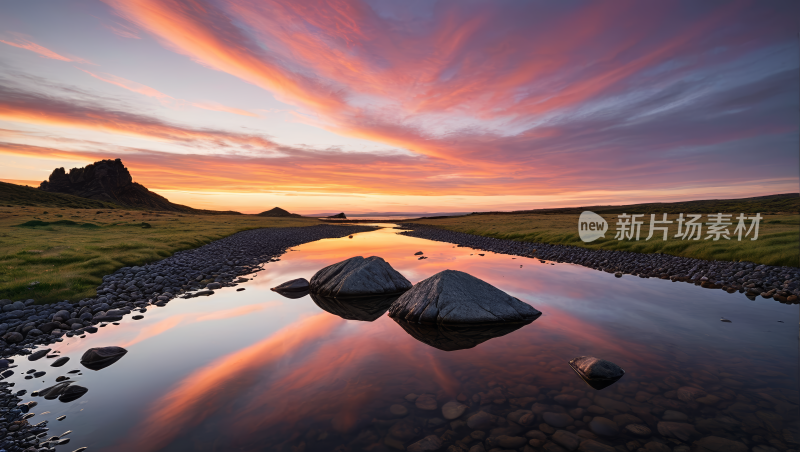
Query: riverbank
[778, 242]
[778, 282]
[54, 254]
[195, 272]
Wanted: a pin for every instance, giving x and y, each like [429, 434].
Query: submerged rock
[358, 276]
[38, 354]
[60, 361]
[365, 309]
[457, 337]
[597, 373]
[102, 357]
[452, 297]
[53, 392]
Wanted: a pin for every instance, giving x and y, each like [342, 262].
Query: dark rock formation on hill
[338, 215]
[278, 212]
[110, 181]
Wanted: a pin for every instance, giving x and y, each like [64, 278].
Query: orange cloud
[23, 43]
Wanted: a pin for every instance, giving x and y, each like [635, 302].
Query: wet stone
[479, 421]
[679, 430]
[426, 402]
[639, 430]
[558, 420]
[510, 442]
[604, 427]
[39, 354]
[594, 446]
[429, 443]
[453, 410]
[567, 440]
[674, 416]
[398, 410]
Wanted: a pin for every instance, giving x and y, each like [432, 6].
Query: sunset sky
[406, 106]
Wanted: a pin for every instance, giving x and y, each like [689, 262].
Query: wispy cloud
[23, 43]
[165, 99]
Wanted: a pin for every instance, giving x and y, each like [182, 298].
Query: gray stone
[558, 420]
[457, 298]
[597, 373]
[13, 337]
[479, 421]
[679, 430]
[102, 357]
[453, 410]
[429, 443]
[295, 285]
[38, 354]
[60, 361]
[213, 286]
[426, 402]
[567, 440]
[358, 276]
[604, 427]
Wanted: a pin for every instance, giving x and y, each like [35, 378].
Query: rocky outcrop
[278, 212]
[358, 276]
[338, 215]
[110, 181]
[452, 297]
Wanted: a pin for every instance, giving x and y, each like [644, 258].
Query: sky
[413, 106]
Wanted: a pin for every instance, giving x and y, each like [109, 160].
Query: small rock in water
[295, 285]
[62, 378]
[453, 410]
[137, 317]
[418, 253]
[39, 374]
[604, 427]
[426, 402]
[72, 392]
[61, 418]
[398, 410]
[597, 373]
[725, 320]
[101, 357]
[240, 289]
[38, 354]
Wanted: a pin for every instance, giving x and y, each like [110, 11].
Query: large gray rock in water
[456, 298]
[597, 373]
[359, 277]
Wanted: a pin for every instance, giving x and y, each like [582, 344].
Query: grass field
[68, 250]
[778, 241]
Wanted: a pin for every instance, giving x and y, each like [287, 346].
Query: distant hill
[278, 212]
[338, 215]
[109, 181]
[783, 203]
[22, 195]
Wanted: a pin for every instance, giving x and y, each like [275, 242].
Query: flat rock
[452, 297]
[597, 373]
[72, 392]
[639, 430]
[479, 421]
[679, 430]
[358, 276]
[426, 402]
[60, 361]
[453, 410]
[102, 357]
[295, 285]
[558, 420]
[429, 443]
[38, 354]
[567, 440]
[604, 427]
[717, 444]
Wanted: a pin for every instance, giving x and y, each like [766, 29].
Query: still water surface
[251, 370]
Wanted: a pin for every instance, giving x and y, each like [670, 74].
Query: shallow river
[251, 370]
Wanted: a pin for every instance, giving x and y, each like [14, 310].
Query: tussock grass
[778, 241]
[68, 258]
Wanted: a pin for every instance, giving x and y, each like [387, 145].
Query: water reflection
[252, 370]
[365, 309]
[449, 338]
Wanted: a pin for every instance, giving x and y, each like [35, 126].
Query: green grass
[778, 242]
[68, 258]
